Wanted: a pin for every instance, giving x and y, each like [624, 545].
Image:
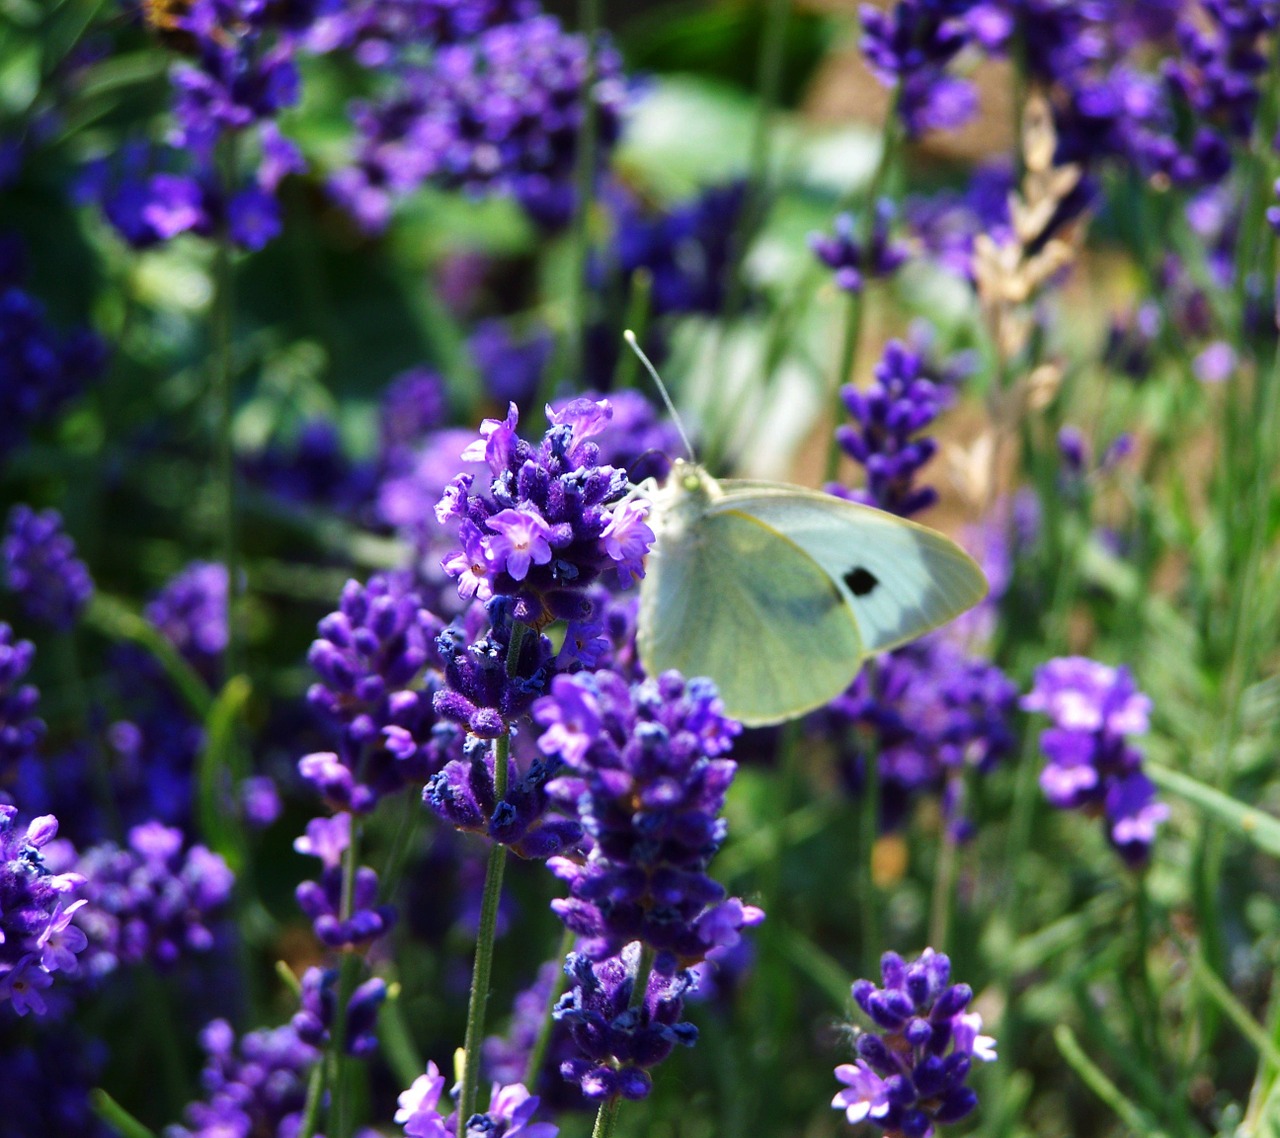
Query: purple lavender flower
[257, 1085]
[379, 669]
[499, 113]
[908, 48]
[925, 715]
[686, 250]
[647, 781]
[150, 902]
[41, 370]
[554, 520]
[1091, 765]
[910, 1073]
[945, 223]
[618, 1043]
[378, 32]
[191, 611]
[36, 936]
[340, 920]
[843, 251]
[510, 1113]
[41, 566]
[20, 728]
[319, 1002]
[885, 442]
[511, 366]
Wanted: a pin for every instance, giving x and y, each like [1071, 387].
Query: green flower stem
[539, 1053]
[222, 394]
[606, 1116]
[1137, 1120]
[868, 895]
[482, 968]
[944, 886]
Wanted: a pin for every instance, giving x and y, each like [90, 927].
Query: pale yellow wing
[728, 596]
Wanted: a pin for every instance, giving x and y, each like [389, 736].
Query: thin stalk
[222, 393]
[869, 828]
[944, 886]
[639, 304]
[606, 1116]
[486, 933]
[538, 1053]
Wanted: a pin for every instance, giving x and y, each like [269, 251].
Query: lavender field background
[334, 799]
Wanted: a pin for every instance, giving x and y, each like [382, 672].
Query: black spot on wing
[860, 581]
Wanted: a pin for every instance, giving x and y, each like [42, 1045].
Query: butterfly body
[779, 593]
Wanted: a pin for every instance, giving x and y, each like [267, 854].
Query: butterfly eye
[860, 581]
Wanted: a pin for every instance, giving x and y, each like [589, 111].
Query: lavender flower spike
[910, 1074]
[1090, 764]
[41, 566]
[510, 1113]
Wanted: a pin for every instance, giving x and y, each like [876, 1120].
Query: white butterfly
[779, 593]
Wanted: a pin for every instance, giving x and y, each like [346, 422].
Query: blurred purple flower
[41, 566]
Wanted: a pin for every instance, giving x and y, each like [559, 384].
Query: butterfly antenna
[630, 338]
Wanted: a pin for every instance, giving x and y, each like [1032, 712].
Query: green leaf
[219, 770]
[1092, 1076]
[1261, 829]
[113, 1114]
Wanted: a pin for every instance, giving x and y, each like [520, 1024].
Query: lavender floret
[20, 728]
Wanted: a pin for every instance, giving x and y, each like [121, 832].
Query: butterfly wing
[899, 578]
[728, 596]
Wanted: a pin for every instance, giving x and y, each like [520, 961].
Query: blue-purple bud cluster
[380, 669]
[20, 728]
[40, 565]
[319, 1000]
[620, 1038]
[851, 259]
[908, 48]
[554, 520]
[497, 113]
[911, 1070]
[150, 902]
[362, 920]
[510, 1113]
[37, 938]
[884, 438]
[257, 1085]
[1090, 764]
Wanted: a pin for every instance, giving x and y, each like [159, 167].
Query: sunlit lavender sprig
[41, 566]
[510, 1113]
[20, 728]
[851, 258]
[150, 902]
[496, 114]
[554, 520]
[37, 938]
[340, 919]
[910, 1072]
[1090, 763]
[885, 437]
[314, 1019]
[238, 74]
